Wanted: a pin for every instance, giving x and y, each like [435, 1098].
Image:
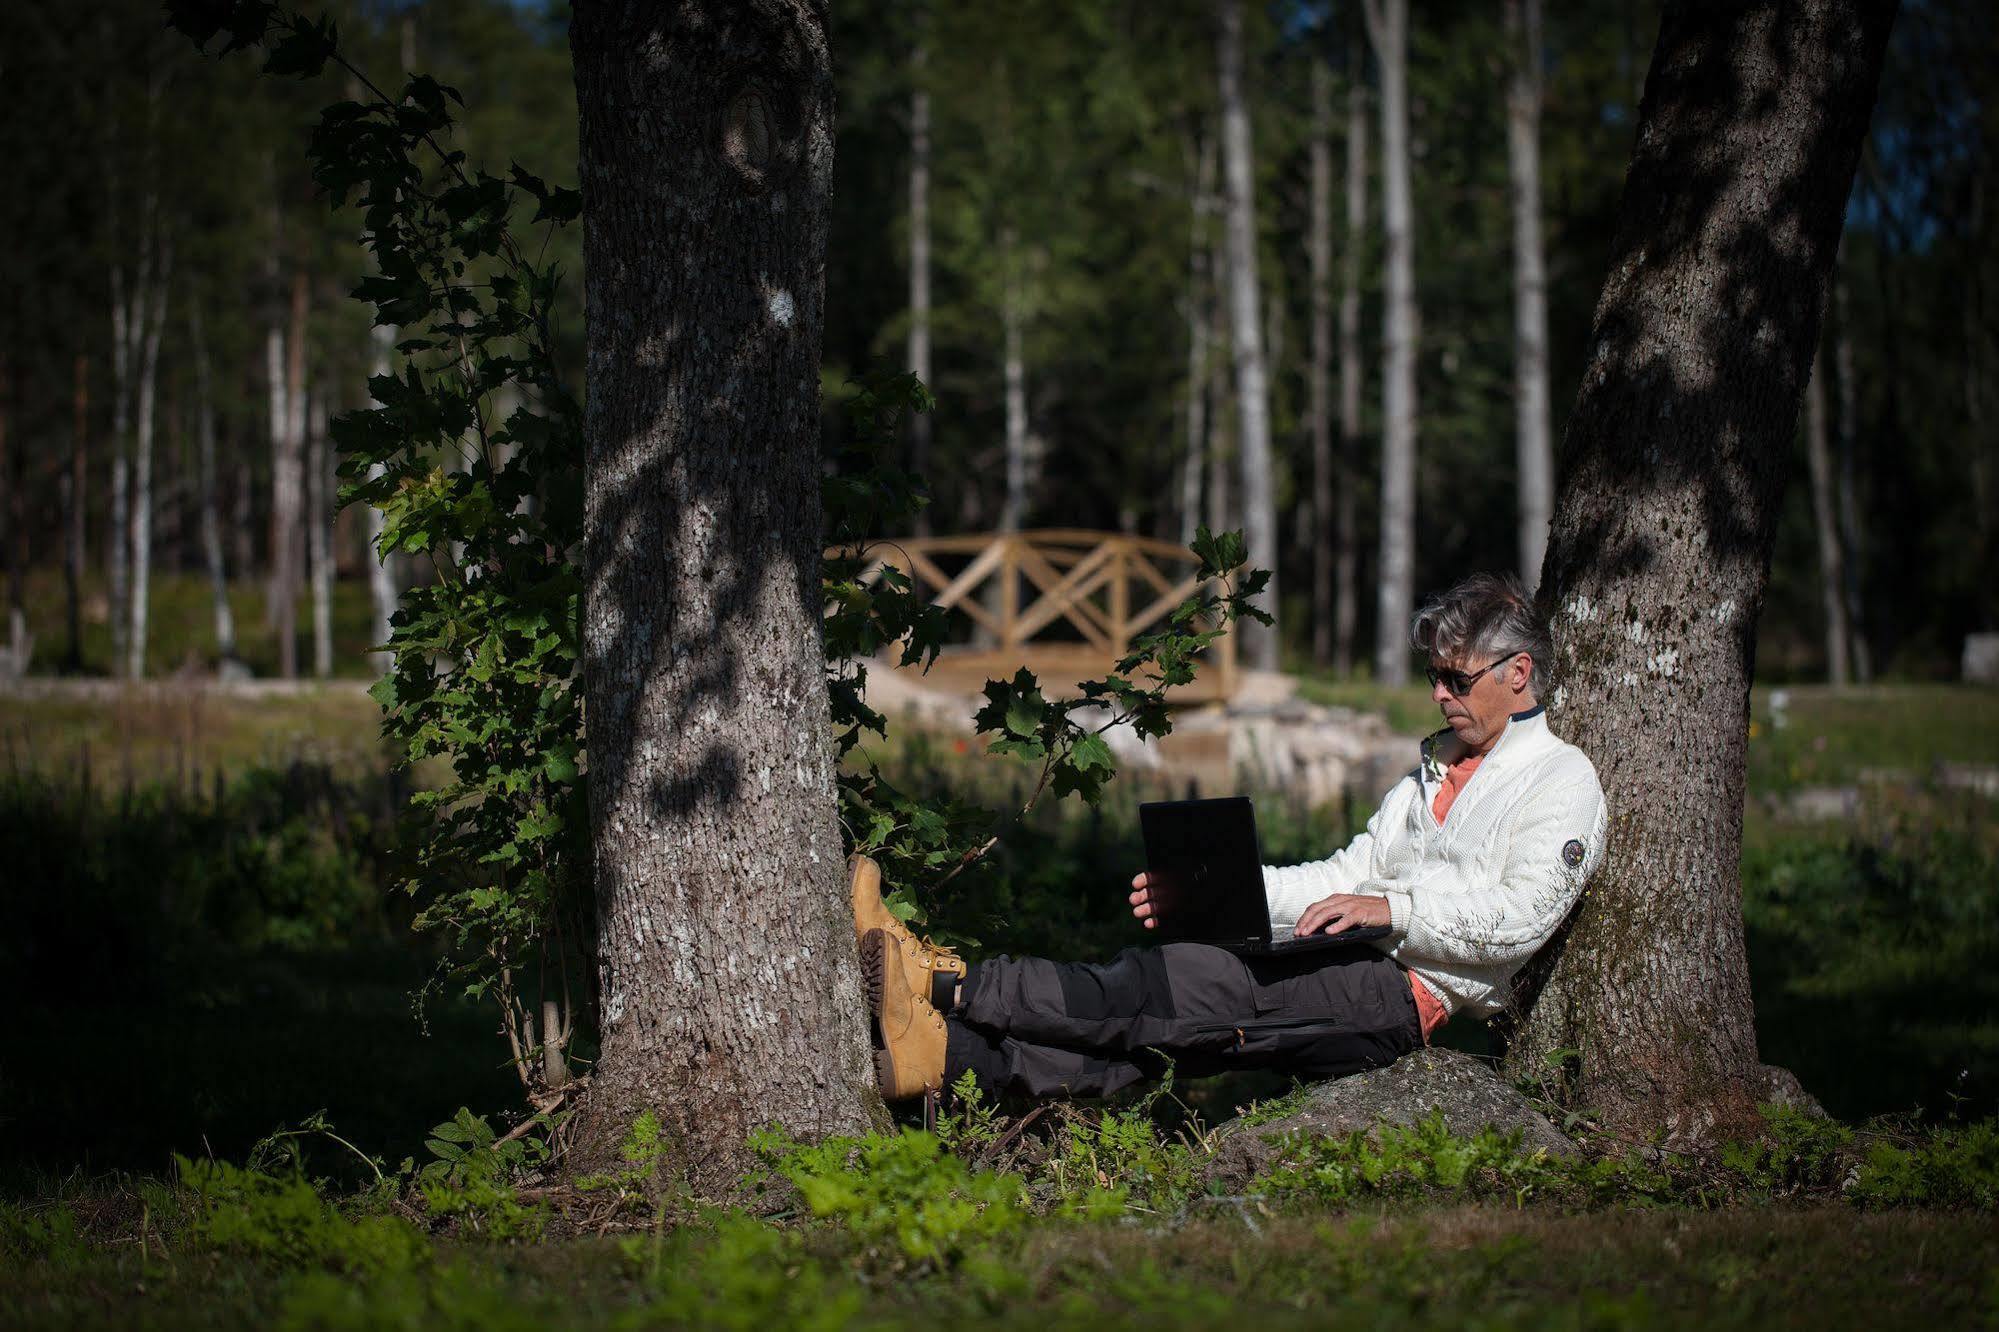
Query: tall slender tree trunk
[210, 501]
[14, 477]
[319, 535]
[1825, 519]
[1388, 31]
[288, 475]
[76, 500]
[1850, 533]
[1259, 504]
[706, 139]
[1200, 287]
[1224, 509]
[1672, 479]
[153, 318]
[1014, 379]
[1319, 383]
[384, 581]
[1346, 569]
[117, 545]
[919, 255]
[1534, 451]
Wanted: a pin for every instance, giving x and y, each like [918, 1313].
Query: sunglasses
[1457, 682]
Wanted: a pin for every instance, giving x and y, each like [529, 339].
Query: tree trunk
[1014, 377]
[1200, 286]
[1223, 510]
[383, 583]
[919, 259]
[1825, 519]
[1346, 575]
[284, 357]
[730, 983]
[1849, 443]
[1388, 31]
[13, 477]
[1673, 473]
[319, 535]
[153, 308]
[211, 511]
[1259, 642]
[76, 497]
[1319, 386]
[1535, 461]
[117, 545]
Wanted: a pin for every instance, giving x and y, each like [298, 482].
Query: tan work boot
[932, 972]
[910, 1061]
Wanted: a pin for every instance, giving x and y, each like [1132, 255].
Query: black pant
[1045, 1028]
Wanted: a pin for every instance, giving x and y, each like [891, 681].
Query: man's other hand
[1339, 913]
[1141, 899]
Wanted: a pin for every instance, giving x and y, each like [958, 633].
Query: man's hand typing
[1342, 912]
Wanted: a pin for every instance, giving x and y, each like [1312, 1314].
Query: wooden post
[1121, 595]
[1009, 591]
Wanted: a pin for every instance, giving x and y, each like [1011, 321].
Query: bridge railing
[1063, 602]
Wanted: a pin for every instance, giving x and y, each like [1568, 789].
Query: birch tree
[209, 487]
[1825, 525]
[706, 142]
[1388, 33]
[1260, 642]
[1673, 471]
[919, 253]
[1319, 408]
[1534, 451]
[1346, 569]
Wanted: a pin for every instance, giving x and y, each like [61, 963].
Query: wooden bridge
[1064, 603]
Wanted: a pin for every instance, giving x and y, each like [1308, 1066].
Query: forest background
[177, 277]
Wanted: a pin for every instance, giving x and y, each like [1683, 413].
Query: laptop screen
[1208, 870]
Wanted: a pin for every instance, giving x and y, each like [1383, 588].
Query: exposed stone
[1817, 804]
[1467, 1091]
[1781, 1087]
[1981, 659]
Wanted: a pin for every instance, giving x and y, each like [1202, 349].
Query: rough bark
[1259, 506]
[1533, 446]
[730, 983]
[1673, 472]
[1346, 576]
[211, 508]
[919, 257]
[1825, 521]
[1319, 386]
[1388, 32]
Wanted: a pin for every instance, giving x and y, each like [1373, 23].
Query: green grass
[1859, 735]
[188, 737]
[1452, 1267]
[181, 633]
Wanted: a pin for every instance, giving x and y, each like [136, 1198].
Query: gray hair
[1480, 618]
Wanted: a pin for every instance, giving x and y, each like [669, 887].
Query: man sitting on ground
[1470, 876]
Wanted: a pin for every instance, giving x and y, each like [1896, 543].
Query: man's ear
[1520, 673]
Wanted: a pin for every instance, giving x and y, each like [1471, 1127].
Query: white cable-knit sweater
[1471, 899]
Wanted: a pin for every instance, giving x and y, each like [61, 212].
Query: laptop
[1208, 868]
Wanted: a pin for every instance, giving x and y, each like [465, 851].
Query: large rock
[1468, 1092]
